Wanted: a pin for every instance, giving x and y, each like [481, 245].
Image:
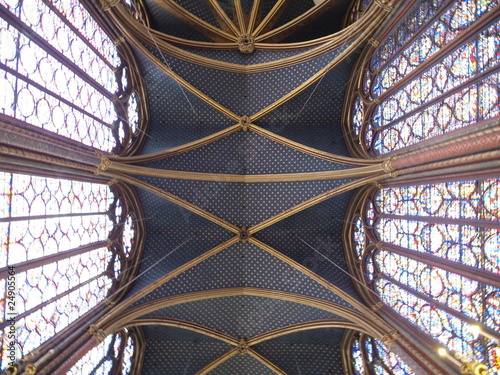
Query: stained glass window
[115, 355]
[61, 72]
[65, 240]
[431, 236]
[437, 71]
[372, 356]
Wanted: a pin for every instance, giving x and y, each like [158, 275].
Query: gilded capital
[390, 338]
[387, 165]
[374, 42]
[382, 4]
[108, 4]
[103, 165]
[30, 369]
[97, 334]
[377, 306]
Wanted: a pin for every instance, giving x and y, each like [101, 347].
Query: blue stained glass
[377, 357]
[456, 91]
[405, 216]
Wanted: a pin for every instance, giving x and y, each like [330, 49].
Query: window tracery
[70, 243]
[438, 71]
[61, 72]
[114, 355]
[370, 353]
[430, 252]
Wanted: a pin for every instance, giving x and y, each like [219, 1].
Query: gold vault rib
[325, 44]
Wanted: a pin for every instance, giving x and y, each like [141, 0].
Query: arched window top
[137, 9]
[436, 72]
[357, 9]
[115, 355]
[61, 72]
[372, 356]
[431, 254]
[68, 242]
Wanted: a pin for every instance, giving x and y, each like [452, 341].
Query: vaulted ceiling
[228, 304]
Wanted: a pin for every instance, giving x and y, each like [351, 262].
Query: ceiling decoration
[305, 352]
[168, 226]
[244, 265]
[244, 180]
[240, 364]
[246, 153]
[244, 315]
[241, 88]
[229, 25]
[176, 351]
[363, 28]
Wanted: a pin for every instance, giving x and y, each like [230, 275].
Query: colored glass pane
[50, 216]
[461, 243]
[79, 17]
[357, 119]
[128, 356]
[464, 63]
[128, 235]
[453, 220]
[473, 244]
[64, 76]
[369, 268]
[443, 327]
[359, 237]
[40, 325]
[415, 21]
[460, 88]
[133, 112]
[457, 292]
[392, 360]
[456, 18]
[88, 362]
[102, 358]
[474, 199]
[357, 358]
[377, 357]
[43, 216]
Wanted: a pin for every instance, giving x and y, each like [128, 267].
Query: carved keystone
[244, 235]
[245, 123]
[246, 43]
[243, 346]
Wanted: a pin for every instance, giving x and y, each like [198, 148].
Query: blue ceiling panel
[174, 351]
[168, 226]
[200, 9]
[242, 364]
[247, 94]
[313, 118]
[313, 238]
[244, 316]
[176, 116]
[244, 265]
[245, 153]
[307, 352]
[244, 204]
